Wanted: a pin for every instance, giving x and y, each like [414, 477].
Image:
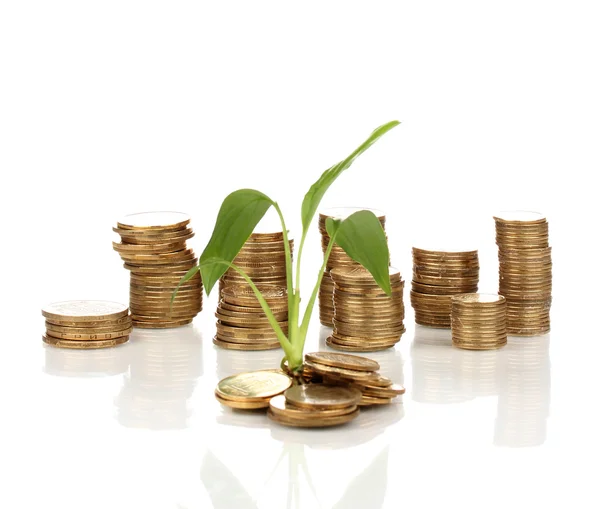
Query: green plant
[360, 235]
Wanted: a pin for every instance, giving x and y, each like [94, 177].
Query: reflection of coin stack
[525, 271]
[86, 324]
[241, 322]
[162, 377]
[478, 372]
[437, 275]
[230, 362]
[88, 364]
[524, 404]
[478, 321]
[337, 259]
[262, 258]
[365, 319]
[153, 247]
[434, 372]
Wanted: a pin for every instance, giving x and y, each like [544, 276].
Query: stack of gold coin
[478, 321]
[355, 371]
[437, 276]
[365, 319]
[263, 258]
[315, 406]
[86, 324]
[337, 259]
[153, 247]
[525, 271]
[241, 322]
[252, 390]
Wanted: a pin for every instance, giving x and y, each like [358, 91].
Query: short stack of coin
[262, 258]
[337, 259]
[252, 390]
[478, 321]
[241, 322]
[437, 276]
[315, 406]
[86, 324]
[153, 247]
[355, 371]
[365, 319]
[525, 271]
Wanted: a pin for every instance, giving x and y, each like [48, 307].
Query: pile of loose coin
[338, 385]
[241, 321]
[262, 258]
[86, 324]
[153, 247]
[525, 271]
[437, 276]
[337, 259]
[478, 321]
[365, 319]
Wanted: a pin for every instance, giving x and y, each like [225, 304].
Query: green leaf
[361, 236]
[313, 197]
[240, 213]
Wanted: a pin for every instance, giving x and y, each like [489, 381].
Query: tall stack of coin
[337, 259]
[525, 271]
[437, 276]
[263, 258]
[153, 247]
[86, 324]
[365, 319]
[241, 322]
[478, 321]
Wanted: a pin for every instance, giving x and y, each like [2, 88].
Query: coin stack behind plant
[153, 247]
[355, 371]
[478, 321]
[337, 259]
[252, 390]
[86, 324]
[262, 258]
[365, 319]
[525, 271]
[437, 276]
[241, 322]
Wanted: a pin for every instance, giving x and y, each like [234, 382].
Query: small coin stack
[525, 271]
[153, 247]
[86, 324]
[355, 371]
[241, 322]
[437, 276]
[337, 259]
[365, 319]
[252, 390]
[263, 258]
[478, 321]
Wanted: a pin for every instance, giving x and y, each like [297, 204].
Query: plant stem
[311, 303]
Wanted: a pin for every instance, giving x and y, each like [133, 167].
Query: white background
[123, 106]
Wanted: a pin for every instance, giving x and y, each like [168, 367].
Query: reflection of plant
[360, 235]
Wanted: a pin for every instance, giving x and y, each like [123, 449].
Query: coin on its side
[341, 360]
[320, 396]
[82, 345]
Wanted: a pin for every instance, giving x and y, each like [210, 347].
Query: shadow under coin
[86, 363]
[165, 365]
[524, 402]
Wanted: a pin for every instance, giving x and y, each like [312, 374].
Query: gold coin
[279, 316]
[88, 336]
[157, 259]
[84, 311]
[445, 281]
[519, 217]
[164, 269]
[479, 300]
[228, 345]
[242, 405]
[82, 345]
[139, 237]
[320, 396]
[81, 328]
[147, 221]
[383, 341]
[317, 422]
[162, 248]
[354, 362]
[477, 346]
[383, 392]
[160, 324]
[253, 385]
[370, 400]
[339, 372]
[363, 347]
[116, 323]
[278, 405]
[258, 310]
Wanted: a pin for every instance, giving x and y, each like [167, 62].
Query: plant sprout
[360, 235]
